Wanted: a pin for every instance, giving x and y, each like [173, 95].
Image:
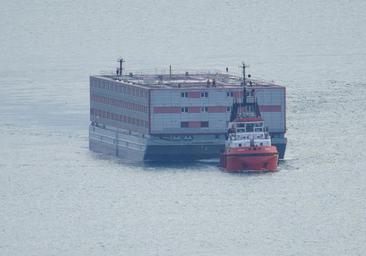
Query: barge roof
[187, 80]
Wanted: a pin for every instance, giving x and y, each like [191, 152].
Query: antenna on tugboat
[244, 99]
[120, 60]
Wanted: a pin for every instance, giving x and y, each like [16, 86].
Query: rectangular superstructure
[181, 115]
[120, 105]
[182, 111]
[175, 112]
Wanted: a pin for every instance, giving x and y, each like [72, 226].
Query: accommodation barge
[170, 117]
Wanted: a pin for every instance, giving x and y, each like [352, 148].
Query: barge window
[183, 124]
[204, 124]
[229, 94]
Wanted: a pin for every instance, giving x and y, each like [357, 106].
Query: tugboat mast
[243, 103]
[244, 98]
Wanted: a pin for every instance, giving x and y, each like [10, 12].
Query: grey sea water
[57, 198]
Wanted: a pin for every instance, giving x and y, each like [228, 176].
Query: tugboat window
[249, 128]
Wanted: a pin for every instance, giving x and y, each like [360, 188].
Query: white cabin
[248, 132]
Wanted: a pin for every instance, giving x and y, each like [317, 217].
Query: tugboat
[248, 144]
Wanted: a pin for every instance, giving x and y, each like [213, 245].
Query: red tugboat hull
[248, 159]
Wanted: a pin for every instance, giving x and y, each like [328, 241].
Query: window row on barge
[175, 117]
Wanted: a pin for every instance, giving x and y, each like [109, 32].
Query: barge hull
[136, 148]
